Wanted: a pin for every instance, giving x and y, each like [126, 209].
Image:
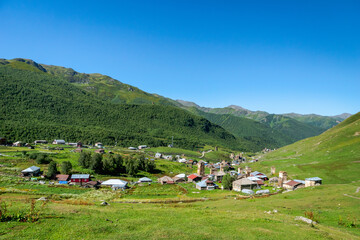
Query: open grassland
[217, 219]
[333, 156]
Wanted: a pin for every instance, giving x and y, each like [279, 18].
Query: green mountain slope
[292, 127]
[333, 155]
[36, 105]
[263, 135]
[102, 86]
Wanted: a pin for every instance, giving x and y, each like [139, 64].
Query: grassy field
[218, 219]
[182, 212]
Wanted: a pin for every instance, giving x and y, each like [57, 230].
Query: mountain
[102, 86]
[263, 135]
[333, 156]
[286, 129]
[36, 104]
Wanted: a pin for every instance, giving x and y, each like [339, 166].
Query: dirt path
[351, 196]
[203, 153]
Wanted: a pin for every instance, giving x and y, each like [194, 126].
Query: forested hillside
[36, 105]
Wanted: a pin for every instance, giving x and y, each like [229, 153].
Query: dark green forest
[36, 105]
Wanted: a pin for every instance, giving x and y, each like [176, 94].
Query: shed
[17, 144]
[40, 142]
[132, 148]
[31, 171]
[291, 185]
[314, 181]
[206, 185]
[178, 179]
[158, 155]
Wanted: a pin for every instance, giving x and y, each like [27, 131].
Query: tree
[85, 159]
[52, 170]
[131, 166]
[96, 163]
[66, 167]
[146, 164]
[113, 164]
[227, 181]
[43, 159]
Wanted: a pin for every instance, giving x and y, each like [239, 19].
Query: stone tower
[273, 170]
[247, 171]
[282, 178]
[201, 168]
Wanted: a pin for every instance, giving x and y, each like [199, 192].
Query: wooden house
[244, 183]
[165, 180]
[31, 172]
[79, 179]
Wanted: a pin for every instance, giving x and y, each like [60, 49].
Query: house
[178, 179]
[101, 151]
[17, 144]
[79, 179]
[244, 183]
[194, 178]
[165, 180]
[31, 171]
[314, 181]
[79, 144]
[145, 180]
[292, 185]
[72, 144]
[115, 184]
[99, 145]
[142, 146]
[181, 175]
[206, 185]
[259, 175]
[182, 160]
[62, 178]
[158, 155]
[40, 142]
[218, 175]
[132, 148]
[58, 141]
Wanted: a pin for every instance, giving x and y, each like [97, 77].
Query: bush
[52, 170]
[66, 167]
[43, 159]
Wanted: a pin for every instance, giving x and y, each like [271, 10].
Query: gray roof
[78, 176]
[300, 181]
[31, 169]
[244, 181]
[145, 179]
[313, 179]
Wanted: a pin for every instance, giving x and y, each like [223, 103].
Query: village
[224, 175]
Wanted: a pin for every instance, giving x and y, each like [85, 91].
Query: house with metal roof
[206, 185]
[31, 171]
[194, 178]
[115, 183]
[58, 141]
[80, 178]
[313, 181]
[144, 180]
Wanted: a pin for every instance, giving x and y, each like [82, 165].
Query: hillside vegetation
[333, 155]
[36, 105]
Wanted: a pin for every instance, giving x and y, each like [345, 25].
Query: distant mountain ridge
[255, 129]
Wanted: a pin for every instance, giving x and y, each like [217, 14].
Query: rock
[304, 219]
[104, 203]
[275, 211]
[42, 199]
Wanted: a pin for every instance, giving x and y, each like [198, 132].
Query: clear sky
[277, 56]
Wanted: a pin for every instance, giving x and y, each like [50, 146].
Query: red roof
[260, 182]
[62, 177]
[293, 183]
[193, 176]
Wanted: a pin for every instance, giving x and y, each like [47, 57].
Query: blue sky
[276, 56]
